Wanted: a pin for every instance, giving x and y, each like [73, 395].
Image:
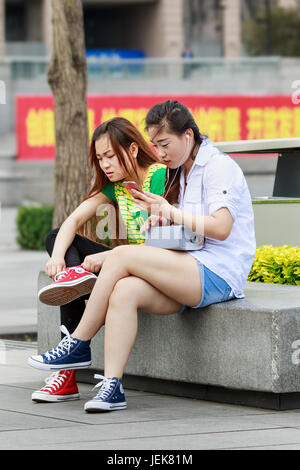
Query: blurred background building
[158, 28]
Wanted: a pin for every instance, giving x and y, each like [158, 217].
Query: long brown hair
[122, 133]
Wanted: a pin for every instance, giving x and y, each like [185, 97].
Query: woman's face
[173, 150]
[108, 160]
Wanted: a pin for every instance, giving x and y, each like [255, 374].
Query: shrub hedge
[33, 226]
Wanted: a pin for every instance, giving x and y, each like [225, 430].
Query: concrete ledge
[259, 145]
[239, 351]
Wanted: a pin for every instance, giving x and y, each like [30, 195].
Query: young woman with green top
[118, 152]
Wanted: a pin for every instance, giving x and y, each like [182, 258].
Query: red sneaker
[60, 386]
[67, 286]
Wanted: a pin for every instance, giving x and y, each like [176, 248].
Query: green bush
[33, 226]
[276, 265]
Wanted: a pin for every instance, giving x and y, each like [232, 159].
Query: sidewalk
[151, 422]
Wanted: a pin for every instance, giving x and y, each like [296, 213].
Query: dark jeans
[81, 247]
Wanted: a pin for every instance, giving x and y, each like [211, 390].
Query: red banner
[221, 118]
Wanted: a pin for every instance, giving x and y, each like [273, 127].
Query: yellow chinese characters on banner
[273, 123]
[228, 123]
[220, 117]
[40, 130]
[135, 115]
[219, 124]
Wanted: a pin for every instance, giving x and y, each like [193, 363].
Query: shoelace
[63, 274]
[64, 345]
[107, 386]
[55, 381]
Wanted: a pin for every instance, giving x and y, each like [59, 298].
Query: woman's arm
[218, 225]
[68, 229]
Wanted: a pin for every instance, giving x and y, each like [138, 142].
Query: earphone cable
[176, 173]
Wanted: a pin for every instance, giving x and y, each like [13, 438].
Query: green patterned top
[132, 216]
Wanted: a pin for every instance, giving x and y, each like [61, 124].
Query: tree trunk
[67, 77]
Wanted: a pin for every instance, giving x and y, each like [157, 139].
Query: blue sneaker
[71, 353]
[109, 398]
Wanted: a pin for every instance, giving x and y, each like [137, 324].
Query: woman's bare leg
[129, 295]
[173, 273]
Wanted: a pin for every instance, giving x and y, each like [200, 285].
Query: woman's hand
[153, 204]
[54, 266]
[154, 221]
[93, 263]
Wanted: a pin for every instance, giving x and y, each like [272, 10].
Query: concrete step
[6, 163]
[8, 146]
[11, 188]
[7, 152]
[25, 182]
[38, 182]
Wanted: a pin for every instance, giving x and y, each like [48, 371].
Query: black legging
[81, 247]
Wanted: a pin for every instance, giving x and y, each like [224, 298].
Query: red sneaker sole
[63, 294]
[41, 397]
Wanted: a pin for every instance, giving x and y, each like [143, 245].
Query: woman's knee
[123, 253]
[124, 292]
[116, 256]
[119, 250]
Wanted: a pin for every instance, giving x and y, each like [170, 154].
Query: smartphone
[129, 185]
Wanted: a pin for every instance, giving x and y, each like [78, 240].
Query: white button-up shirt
[215, 181]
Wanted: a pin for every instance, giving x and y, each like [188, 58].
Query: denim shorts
[214, 288]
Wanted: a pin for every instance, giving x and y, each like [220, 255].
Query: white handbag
[174, 237]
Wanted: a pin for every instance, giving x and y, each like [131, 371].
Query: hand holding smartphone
[130, 185]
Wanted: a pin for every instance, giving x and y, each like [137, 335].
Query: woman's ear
[190, 133]
[134, 149]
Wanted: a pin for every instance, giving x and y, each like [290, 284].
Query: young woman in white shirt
[205, 191]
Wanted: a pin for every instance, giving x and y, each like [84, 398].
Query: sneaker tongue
[79, 270]
[61, 275]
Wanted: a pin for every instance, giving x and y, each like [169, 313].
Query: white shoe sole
[46, 397]
[98, 407]
[65, 292]
[44, 366]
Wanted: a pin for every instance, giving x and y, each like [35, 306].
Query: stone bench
[242, 351]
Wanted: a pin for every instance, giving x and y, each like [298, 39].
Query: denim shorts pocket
[227, 294]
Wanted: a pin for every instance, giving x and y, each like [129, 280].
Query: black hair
[175, 118]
